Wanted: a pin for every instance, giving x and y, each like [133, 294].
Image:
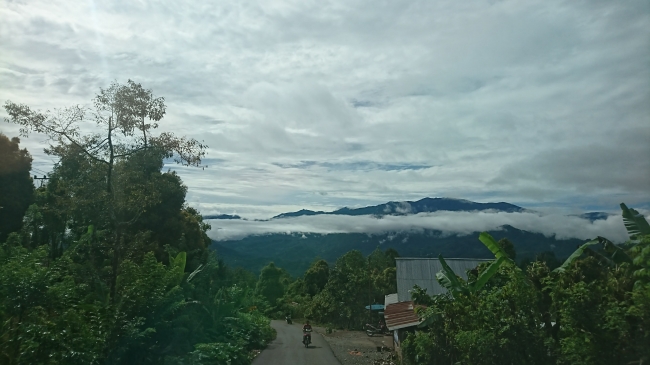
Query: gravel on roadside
[357, 348]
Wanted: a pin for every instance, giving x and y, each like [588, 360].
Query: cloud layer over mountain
[460, 223]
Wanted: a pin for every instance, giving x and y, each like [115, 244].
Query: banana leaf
[615, 253]
[493, 245]
[193, 274]
[575, 255]
[448, 279]
[487, 274]
[635, 223]
[177, 265]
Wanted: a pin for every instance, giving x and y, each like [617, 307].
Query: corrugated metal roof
[390, 299]
[422, 272]
[400, 315]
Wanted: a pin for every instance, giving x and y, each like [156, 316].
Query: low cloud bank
[461, 223]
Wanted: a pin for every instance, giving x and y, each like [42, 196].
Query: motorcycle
[288, 319]
[372, 330]
[306, 337]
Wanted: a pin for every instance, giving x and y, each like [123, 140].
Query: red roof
[401, 315]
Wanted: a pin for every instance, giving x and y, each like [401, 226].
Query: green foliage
[47, 317]
[110, 266]
[270, 285]
[485, 275]
[575, 255]
[594, 309]
[316, 277]
[218, 353]
[641, 260]
[635, 223]
[508, 247]
[61, 313]
[457, 286]
[383, 274]
[494, 246]
[296, 253]
[449, 280]
[338, 296]
[16, 187]
[177, 266]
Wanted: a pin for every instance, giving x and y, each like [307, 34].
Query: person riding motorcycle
[306, 327]
[306, 331]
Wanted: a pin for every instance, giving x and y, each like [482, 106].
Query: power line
[38, 170]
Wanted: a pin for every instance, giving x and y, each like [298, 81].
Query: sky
[325, 104]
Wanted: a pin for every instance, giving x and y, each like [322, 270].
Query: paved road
[287, 348]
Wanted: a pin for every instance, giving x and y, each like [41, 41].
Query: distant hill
[221, 216]
[595, 216]
[294, 252]
[426, 205]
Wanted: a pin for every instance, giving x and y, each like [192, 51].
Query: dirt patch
[357, 348]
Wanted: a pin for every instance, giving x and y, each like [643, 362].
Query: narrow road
[287, 348]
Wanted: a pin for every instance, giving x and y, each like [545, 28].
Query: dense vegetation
[294, 252]
[335, 295]
[16, 188]
[106, 264]
[593, 309]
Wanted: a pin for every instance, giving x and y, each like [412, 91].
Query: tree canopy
[16, 188]
[110, 265]
[592, 309]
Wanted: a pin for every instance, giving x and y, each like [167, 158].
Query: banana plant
[177, 266]
[613, 255]
[636, 226]
[575, 255]
[449, 280]
[456, 285]
[193, 274]
[635, 223]
[616, 254]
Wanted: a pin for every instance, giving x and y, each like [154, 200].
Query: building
[400, 318]
[400, 311]
[422, 272]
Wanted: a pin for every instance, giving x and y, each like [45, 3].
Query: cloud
[351, 103]
[461, 223]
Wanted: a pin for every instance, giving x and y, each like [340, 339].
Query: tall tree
[119, 110]
[508, 247]
[270, 284]
[346, 293]
[16, 187]
[316, 277]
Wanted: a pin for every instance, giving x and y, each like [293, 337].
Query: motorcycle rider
[306, 327]
[306, 330]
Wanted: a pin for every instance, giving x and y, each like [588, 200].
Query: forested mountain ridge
[425, 205]
[295, 252]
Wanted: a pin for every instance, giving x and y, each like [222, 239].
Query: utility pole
[40, 178]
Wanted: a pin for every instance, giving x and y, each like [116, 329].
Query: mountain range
[426, 205]
[295, 251]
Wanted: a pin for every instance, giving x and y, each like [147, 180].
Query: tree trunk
[144, 132]
[109, 174]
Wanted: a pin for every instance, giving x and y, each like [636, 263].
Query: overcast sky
[324, 104]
